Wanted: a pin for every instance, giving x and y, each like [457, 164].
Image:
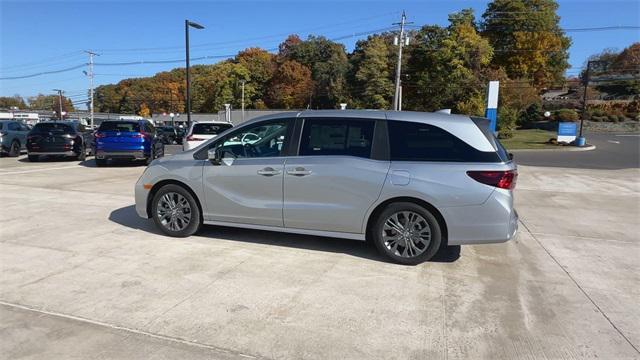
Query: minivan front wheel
[407, 233]
[175, 211]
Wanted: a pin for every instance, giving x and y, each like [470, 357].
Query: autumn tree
[7, 102]
[528, 40]
[261, 66]
[50, 102]
[291, 86]
[616, 73]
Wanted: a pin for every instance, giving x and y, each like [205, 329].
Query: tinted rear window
[484, 125]
[210, 129]
[337, 137]
[410, 141]
[56, 128]
[121, 126]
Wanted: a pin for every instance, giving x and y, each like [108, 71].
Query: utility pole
[401, 43]
[60, 101]
[90, 76]
[242, 81]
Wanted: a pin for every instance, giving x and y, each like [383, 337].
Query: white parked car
[202, 131]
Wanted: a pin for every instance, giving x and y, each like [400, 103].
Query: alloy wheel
[406, 234]
[174, 211]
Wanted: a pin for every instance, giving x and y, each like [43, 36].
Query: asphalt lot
[83, 277]
[613, 151]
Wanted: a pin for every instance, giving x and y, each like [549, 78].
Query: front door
[246, 187]
[333, 181]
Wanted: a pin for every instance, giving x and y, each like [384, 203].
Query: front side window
[266, 139]
[412, 141]
[13, 126]
[337, 137]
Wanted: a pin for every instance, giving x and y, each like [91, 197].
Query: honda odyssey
[410, 182]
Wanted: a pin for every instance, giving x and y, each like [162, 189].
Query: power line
[43, 73]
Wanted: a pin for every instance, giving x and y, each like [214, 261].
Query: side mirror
[510, 156]
[215, 156]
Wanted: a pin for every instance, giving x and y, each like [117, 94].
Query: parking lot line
[37, 170]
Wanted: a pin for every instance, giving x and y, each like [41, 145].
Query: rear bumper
[53, 153]
[131, 154]
[495, 221]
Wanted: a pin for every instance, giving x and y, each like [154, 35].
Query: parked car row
[113, 140]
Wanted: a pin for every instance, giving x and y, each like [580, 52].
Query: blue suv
[131, 140]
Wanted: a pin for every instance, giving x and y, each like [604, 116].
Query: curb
[560, 149]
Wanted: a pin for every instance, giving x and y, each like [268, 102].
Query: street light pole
[242, 99]
[401, 42]
[59, 101]
[188, 24]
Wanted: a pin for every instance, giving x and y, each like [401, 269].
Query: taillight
[191, 138]
[32, 137]
[100, 135]
[499, 179]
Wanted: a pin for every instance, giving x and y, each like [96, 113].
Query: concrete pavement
[84, 277]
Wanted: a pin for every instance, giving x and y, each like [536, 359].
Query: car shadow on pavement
[49, 159]
[128, 217]
[91, 163]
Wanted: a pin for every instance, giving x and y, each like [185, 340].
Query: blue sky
[39, 36]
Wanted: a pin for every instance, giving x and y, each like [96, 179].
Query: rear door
[334, 179]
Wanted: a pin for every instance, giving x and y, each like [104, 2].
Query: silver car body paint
[340, 193]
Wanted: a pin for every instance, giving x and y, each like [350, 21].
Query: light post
[586, 88]
[188, 24]
[173, 123]
[60, 101]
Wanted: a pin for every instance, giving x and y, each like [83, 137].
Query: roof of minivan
[459, 125]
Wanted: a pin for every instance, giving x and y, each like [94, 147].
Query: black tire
[196, 220]
[14, 150]
[152, 155]
[82, 153]
[33, 158]
[101, 162]
[428, 252]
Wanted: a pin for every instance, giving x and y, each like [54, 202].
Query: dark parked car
[61, 138]
[127, 139]
[13, 137]
[168, 134]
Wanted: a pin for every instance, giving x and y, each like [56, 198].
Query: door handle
[268, 171]
[299, 171]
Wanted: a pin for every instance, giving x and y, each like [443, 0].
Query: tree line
[518, 42]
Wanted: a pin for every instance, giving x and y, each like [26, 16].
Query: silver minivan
[410, 182]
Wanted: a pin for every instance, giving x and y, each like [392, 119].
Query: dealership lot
[84, 277]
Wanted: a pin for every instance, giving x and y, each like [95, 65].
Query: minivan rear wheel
[406, 233]
[175, 211]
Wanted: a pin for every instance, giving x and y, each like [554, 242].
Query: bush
[507, 119]
[613, 118]
[532, 114]
[566, 115]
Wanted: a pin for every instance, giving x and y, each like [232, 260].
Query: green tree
[329, 66]
[528, 39]
[7, 102]
[372, 85]
[446, 70]
[50, 102]
[616, 74]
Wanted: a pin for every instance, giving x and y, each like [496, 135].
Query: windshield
[55, 128]
[210, 129]
[121, 126]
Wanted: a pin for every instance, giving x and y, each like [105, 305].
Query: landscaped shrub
[613, 118]
[507, 119]
[566, 115]
[532, 114]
